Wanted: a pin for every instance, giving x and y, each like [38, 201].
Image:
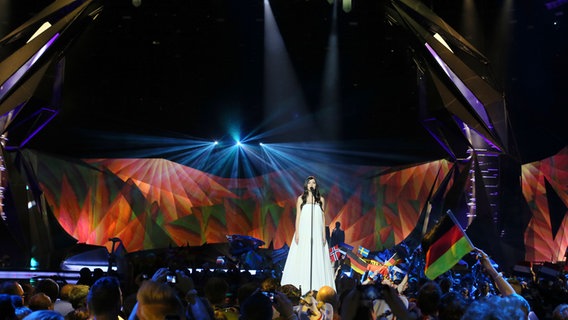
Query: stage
[239, 253]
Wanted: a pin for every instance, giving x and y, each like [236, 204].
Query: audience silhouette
[481, 292]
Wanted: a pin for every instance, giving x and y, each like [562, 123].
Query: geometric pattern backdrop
[545, 189]
[156, 203]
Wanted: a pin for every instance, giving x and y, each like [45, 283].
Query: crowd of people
[182, 293]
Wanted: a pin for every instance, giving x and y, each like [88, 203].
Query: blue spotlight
[216, 142]
[261, 144]
[239, 144]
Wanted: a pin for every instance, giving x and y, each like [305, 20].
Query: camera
[371, 291]
[269, 294]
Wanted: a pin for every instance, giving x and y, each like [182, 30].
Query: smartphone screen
[171, 278]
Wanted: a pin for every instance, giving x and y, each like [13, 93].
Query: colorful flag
[357, 264]
[378, 268]
[396, 273]
[335, 253]
[393, 261]
[345, 247]
[363, 252]
[444, 246]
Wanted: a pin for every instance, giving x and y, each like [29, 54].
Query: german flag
[357, 264]
[444, 246]
[393, 261]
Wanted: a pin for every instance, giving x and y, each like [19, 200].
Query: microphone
[312, 189]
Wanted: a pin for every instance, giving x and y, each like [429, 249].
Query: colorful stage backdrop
[156, 203]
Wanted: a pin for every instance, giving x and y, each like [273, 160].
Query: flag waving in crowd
[357, 264]
[335, 253]
[394, 260]
[364, 252]
[444, 246]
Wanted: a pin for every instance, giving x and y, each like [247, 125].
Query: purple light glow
[15, 78]
[53, 114]
[478, 135]
[555, 4]
[442, 143]
[468, 95]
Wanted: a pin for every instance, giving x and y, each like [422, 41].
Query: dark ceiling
[188, 68]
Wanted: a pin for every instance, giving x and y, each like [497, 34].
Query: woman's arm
[324, 238]
[297, 224]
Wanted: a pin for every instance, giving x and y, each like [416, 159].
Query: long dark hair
[306, 192]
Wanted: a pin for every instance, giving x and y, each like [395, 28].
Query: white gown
[297, 267]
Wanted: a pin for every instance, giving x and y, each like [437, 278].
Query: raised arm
[502, 285]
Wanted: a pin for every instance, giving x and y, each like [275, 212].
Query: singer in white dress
[309, 267]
